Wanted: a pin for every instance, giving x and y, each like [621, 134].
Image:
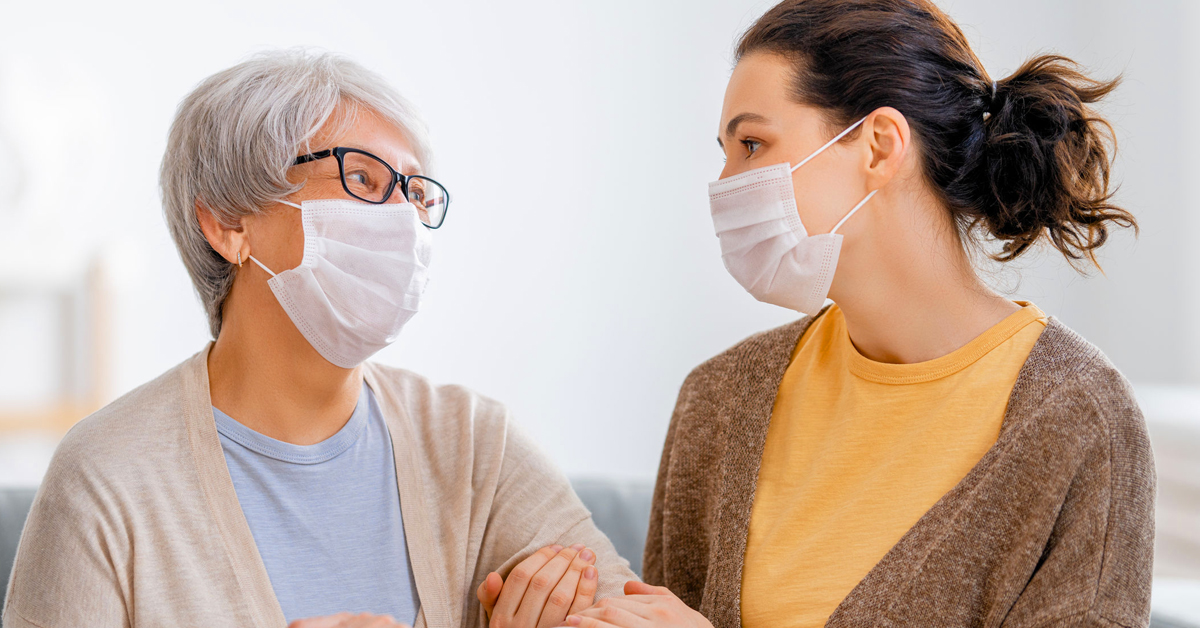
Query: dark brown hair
[1016, 159]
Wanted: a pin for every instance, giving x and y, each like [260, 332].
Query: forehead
[363, 129]
[760, 84]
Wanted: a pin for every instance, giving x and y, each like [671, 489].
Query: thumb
[489, 592]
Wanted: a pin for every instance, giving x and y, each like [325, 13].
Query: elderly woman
[276, 475]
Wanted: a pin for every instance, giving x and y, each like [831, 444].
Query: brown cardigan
[1053, 527]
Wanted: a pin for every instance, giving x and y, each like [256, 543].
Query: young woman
[923, 452]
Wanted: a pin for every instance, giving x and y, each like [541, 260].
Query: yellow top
[857, 451]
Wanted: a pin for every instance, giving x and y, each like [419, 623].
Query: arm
[533, 508]
[652, 557]
[1097, 565]
[68, 561]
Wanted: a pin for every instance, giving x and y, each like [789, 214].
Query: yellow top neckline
[937, 368]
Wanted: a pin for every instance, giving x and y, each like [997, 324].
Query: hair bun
[1046, 159]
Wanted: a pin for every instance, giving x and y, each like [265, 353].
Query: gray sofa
[14, 506]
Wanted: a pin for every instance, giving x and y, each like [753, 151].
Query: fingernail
[587, 554]
[578, 546]
[556, 548]
[574, 620]
[589, 572]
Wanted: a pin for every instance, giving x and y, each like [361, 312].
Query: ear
[890, 141]
[228, 242]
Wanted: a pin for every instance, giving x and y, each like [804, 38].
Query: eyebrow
[737, 120]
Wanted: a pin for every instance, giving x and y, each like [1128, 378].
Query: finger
[518, 580]
[489, 592]
[635, 587]
[585, 594]
[377, 621]
[612, 614]
[367, 620]
[563, 595]
[649, 608]
[541, 585]
[577, 621]
[330, 621]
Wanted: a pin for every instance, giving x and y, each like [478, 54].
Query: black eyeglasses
[370, 179]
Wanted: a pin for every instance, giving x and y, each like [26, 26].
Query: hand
[643, 606]
[542, 590]
[347, 620]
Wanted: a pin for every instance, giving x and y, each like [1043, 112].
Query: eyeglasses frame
[339, 152]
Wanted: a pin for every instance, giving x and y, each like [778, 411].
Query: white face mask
[364, 269]
[763, 242]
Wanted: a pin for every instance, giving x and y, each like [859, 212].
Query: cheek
[318, 189]
[278, 237]
[824, 194]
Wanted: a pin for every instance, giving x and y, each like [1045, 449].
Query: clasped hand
[542, 590]
[642, 606]
[556, 586]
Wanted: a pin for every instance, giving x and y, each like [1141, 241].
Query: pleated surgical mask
[364, 270]
[763, 241]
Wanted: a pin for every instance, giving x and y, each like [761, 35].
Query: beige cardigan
[137, 522]
[1053, 527]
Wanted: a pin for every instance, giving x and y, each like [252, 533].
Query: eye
[416, 192]
[357, 177]
[751, 146]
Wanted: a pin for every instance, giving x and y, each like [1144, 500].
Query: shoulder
[766, 352]
[116, 457]
[143, 428]
[1081, 399]
[448, 420]
[429, 400]
[1075, 376]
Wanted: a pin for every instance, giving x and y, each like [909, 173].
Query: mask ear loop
[829, 143]
[821, 150]
[856, 208]
[260, 265]
[255, 260]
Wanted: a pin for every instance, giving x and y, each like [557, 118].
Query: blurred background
[585, 312]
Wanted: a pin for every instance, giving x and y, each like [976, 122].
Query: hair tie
[990, 106]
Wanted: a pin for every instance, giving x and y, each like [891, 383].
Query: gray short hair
[235, 136]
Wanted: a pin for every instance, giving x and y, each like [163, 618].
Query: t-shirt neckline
[937, 368]
[323, 451]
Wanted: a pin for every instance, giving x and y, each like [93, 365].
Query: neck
[265, 375]
[908, 297]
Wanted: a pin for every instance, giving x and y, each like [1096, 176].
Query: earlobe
[228, 242]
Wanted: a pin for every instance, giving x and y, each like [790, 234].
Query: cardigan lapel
[226, 511]
[432, 594]
[753, 384]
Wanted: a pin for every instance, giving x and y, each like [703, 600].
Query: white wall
[584, 308]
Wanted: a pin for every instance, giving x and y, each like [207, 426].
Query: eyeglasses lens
[366, 177]
[430, 198]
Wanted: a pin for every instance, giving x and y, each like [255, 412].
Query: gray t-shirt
[326, 517]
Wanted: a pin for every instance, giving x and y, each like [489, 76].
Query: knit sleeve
[1097, 566]
[652, 557]
[534, 506]
[64, 574]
